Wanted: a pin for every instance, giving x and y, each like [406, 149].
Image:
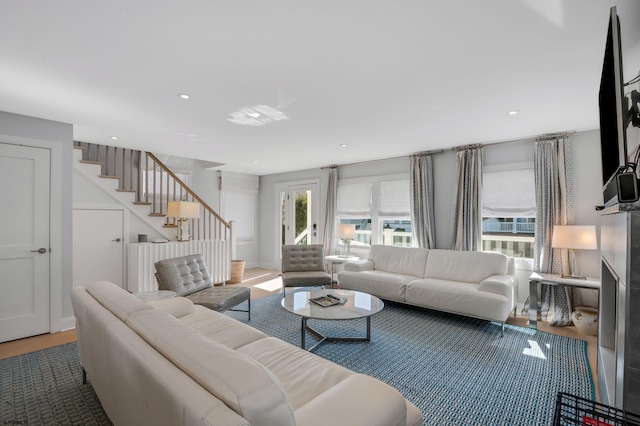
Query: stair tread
[157, 214]
[125, 190]
[142, 203]
[108, 177]
[90, 162]
[79, 147]
[169, 226]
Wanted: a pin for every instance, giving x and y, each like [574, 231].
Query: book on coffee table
[328, 300]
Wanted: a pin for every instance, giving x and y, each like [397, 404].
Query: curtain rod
[438, 151]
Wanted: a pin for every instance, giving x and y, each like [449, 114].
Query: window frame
[377, 221]
[505, 168]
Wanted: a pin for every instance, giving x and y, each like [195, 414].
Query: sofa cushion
[386, 285]
[121, 303]
[384, 405]
[465, 266]
[459, 298]
[303, 375]
[176, 306]
[243, 384]
[221, 328]
[400, 260]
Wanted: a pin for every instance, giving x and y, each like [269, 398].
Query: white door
[300, 214]
[24, 241]
[98, 246]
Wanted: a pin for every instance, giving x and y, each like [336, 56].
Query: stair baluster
[147, 185]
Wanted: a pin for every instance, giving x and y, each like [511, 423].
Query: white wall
[88, 194]
[58, 137]
[587, 187]
[206, 183]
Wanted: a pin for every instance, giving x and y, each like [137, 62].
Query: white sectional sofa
[174, 363]
[476, 284]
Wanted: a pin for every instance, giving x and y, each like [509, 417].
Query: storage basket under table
[573, 410]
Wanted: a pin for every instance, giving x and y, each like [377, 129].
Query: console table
[552, 279]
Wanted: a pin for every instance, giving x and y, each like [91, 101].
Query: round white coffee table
[356, 305]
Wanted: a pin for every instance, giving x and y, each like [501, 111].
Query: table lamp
[573, 237]
[346, 231]
[183, 210]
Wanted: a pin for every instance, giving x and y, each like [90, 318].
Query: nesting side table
[335, 259]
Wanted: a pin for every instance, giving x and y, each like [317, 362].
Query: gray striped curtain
[330, 212]
[466, 228]
[422, 216]
[553, 167]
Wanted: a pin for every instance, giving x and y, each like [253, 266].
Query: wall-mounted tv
[613, 110]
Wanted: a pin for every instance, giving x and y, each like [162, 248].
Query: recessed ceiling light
[115, 138]
[343, 145]
[183, 96]
[255, 162]
[513, 112]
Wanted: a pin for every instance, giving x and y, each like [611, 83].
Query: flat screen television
[612, 105]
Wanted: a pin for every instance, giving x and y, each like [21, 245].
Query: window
[380, 209]
[354, 207]
[509, 209]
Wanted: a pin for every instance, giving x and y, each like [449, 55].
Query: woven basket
[237, 271]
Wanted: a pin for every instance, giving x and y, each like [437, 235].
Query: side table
[335, 259]
[552, 279]
[150, 296]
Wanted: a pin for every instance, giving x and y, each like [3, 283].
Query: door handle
[117, 240]
[40, 250]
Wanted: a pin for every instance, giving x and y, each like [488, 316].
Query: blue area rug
[45, 388]
[457, 370]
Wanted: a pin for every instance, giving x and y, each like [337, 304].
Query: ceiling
[386, 78]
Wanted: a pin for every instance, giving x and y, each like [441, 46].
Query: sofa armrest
[359, 265]
[499, 284]
[360, 400]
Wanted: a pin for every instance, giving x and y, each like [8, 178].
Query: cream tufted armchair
[303, 266]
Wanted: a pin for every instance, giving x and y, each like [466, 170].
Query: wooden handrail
[209, 225]
[187, 189]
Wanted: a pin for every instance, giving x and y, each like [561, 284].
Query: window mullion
[376, 225]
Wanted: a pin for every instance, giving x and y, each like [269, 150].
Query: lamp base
[183, 230]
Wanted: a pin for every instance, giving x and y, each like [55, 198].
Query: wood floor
[265, 282]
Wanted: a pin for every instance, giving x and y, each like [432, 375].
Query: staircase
[140, 182]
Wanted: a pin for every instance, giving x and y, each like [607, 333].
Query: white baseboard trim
[68, 323]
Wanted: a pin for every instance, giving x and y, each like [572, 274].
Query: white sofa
[476, 284]
[174, 363]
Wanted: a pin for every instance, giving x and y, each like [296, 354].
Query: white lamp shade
[183, 209]
[346, 231]
[574, 237]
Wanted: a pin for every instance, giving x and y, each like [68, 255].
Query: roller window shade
[354, 200]
[509, 193]
[394, 200]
